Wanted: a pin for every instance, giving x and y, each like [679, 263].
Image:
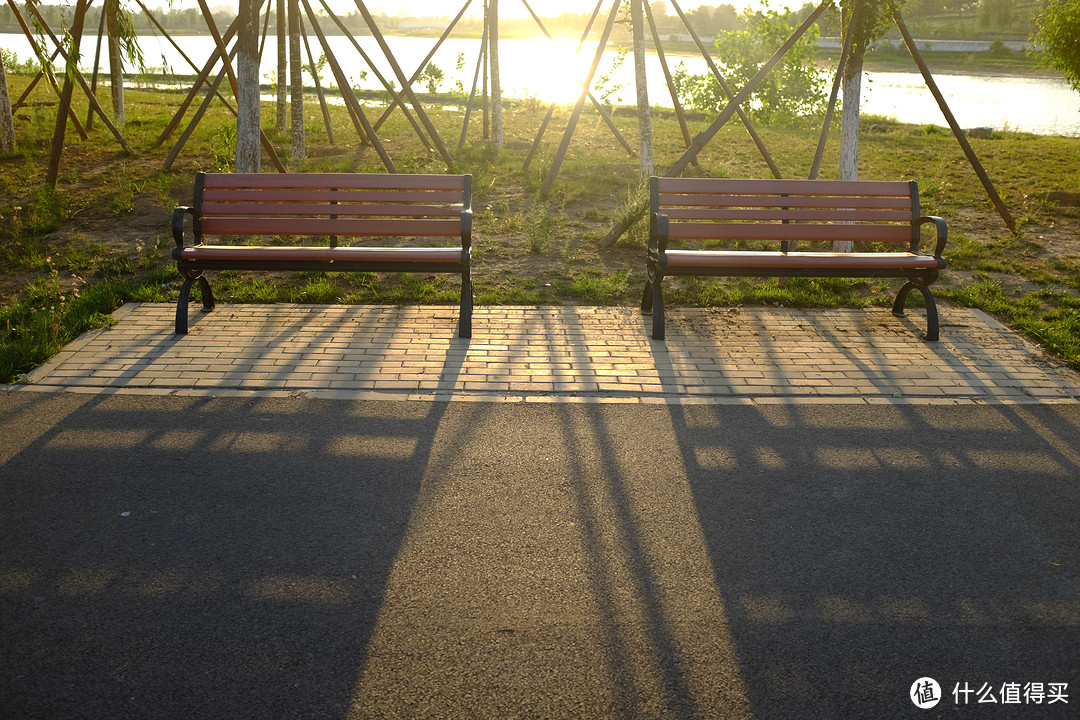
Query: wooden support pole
[65, 96]
[407, 89]
[951, 119]
[560, 154]
[395, 97]
[601, 109]
[73, 72]
[472, 92]
[659, 46]
[726, 89]
[188, 60]
[203, 75]
[815, 166]
[424, 63]
[703, 138]
[194, 122]
[38, 52]
[553, 104]
[223, 53]
[315, 79]
[360, 120]
[94, 75]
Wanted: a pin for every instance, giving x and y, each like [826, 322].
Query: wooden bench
[238, 208]
[770, 216]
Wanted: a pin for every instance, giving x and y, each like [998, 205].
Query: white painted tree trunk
[849, 128]
[248, 117]
[645, 134]
[116, 61]
[7, 126]
[296, 83]
[282, 71]
[496, 84]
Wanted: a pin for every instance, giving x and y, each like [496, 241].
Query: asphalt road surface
[246, 557]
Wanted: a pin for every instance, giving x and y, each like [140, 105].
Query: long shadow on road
[163, 557]
[859, 549]
[258, 557]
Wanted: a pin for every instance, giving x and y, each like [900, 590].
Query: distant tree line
[932, 17]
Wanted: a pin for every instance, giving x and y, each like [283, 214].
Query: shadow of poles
[165, 556]
[861, 547]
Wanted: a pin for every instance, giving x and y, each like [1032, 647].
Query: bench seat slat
[766, 261]
[317, 195]
[816, 215]
[217, 209]
[780, 232]
[727, 186]
[784, 201]
[271, 254]
[327, 226]
[329, 180]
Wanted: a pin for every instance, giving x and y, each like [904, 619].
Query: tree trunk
[645, 134]
[116, 61]
[64, 107]
[849, 126]
[248, 118]
[282, 71]
[496, 84]
[7, 126]
[296, 82]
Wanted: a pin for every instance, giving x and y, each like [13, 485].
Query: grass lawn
[70, 255]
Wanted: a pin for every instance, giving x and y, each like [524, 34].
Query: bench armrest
[178, 224]
[942, 231]
[658, 233]
[466, 228]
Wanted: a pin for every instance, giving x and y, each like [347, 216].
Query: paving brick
[765, 355]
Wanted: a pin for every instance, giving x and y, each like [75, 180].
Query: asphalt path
[256, 557]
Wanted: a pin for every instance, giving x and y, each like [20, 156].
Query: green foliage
[604, 87]
[225, 150]
[1058, 35]
[868, 20]
[796, 89]
[50, 316]
[431, 77]
[14, 66]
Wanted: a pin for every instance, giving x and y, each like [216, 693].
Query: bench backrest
[782, 210]
[331, 204]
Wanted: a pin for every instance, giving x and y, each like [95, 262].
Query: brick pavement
[564, 353]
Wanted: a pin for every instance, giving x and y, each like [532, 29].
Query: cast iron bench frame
[328, 206]
[788, 211]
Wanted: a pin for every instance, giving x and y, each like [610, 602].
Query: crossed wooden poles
[421, 122]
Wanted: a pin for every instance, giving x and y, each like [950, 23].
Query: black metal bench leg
[931, 307]
[657, 309]
[646, 298]
[465, 311]
[931, 315]
[208, 303]
[181, 325]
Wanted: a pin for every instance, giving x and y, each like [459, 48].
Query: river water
[551, 70]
